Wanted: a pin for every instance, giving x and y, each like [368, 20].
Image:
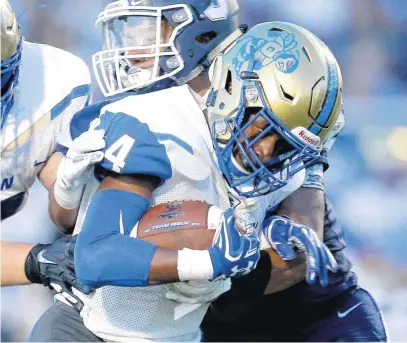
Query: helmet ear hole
[277, 29]
[206, 38]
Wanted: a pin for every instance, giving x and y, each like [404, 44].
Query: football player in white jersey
[111, 255]
[42, 87]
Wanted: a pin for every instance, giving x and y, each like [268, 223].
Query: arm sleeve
[105, 254]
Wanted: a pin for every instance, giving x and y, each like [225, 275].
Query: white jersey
[53, 86]
[176, 119]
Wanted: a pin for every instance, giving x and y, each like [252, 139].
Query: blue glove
[234, 254]
[53, 265]
[283, 235]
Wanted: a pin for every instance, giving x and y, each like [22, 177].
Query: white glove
[75, 167]
[197, 292]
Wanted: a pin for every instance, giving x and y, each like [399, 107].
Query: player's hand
[196, 291]
[284, 235]
[233, 254]
[53, 265]
[84, 152]
[75, 167]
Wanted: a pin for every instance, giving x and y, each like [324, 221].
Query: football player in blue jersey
[123, 67]
[38, 100]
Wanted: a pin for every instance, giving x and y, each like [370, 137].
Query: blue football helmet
[283, 76]
[11, 46]
[158, 43]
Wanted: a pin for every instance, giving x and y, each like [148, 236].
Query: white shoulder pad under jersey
[163, 134]
[53, 85]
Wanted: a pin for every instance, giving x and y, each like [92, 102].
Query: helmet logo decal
[257, 53]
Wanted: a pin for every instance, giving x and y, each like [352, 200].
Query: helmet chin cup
[135, 75]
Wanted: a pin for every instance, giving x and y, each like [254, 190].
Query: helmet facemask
[139, 42]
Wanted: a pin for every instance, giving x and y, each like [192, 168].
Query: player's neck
[200, 84]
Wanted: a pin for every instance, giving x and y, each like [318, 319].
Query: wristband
[194, 265]
[68, 198]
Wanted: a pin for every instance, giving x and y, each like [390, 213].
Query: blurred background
[367, 180]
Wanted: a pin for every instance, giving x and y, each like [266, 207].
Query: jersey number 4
[118, 152]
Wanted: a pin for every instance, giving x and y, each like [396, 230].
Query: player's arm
[19, 261]
[80, 96]
[305, 206]
[13, 254]
[69, 174]
[63, 218]
[13, 257]
[273, 273]
[107, 254]
[65, 174]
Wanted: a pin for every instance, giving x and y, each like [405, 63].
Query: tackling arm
[305, 206]
[63, 218]
[13, 257]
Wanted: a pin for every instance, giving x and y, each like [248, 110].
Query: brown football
[178, 225]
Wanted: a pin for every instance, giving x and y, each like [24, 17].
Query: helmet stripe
[329, 102]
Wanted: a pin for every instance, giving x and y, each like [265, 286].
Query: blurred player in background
[106, 253]
[42, 87]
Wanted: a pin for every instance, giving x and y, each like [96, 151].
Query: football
[178, 225]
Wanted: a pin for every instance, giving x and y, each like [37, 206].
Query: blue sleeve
[105, 254]
[131, 148]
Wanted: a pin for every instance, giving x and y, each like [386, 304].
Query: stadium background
[367, 181]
